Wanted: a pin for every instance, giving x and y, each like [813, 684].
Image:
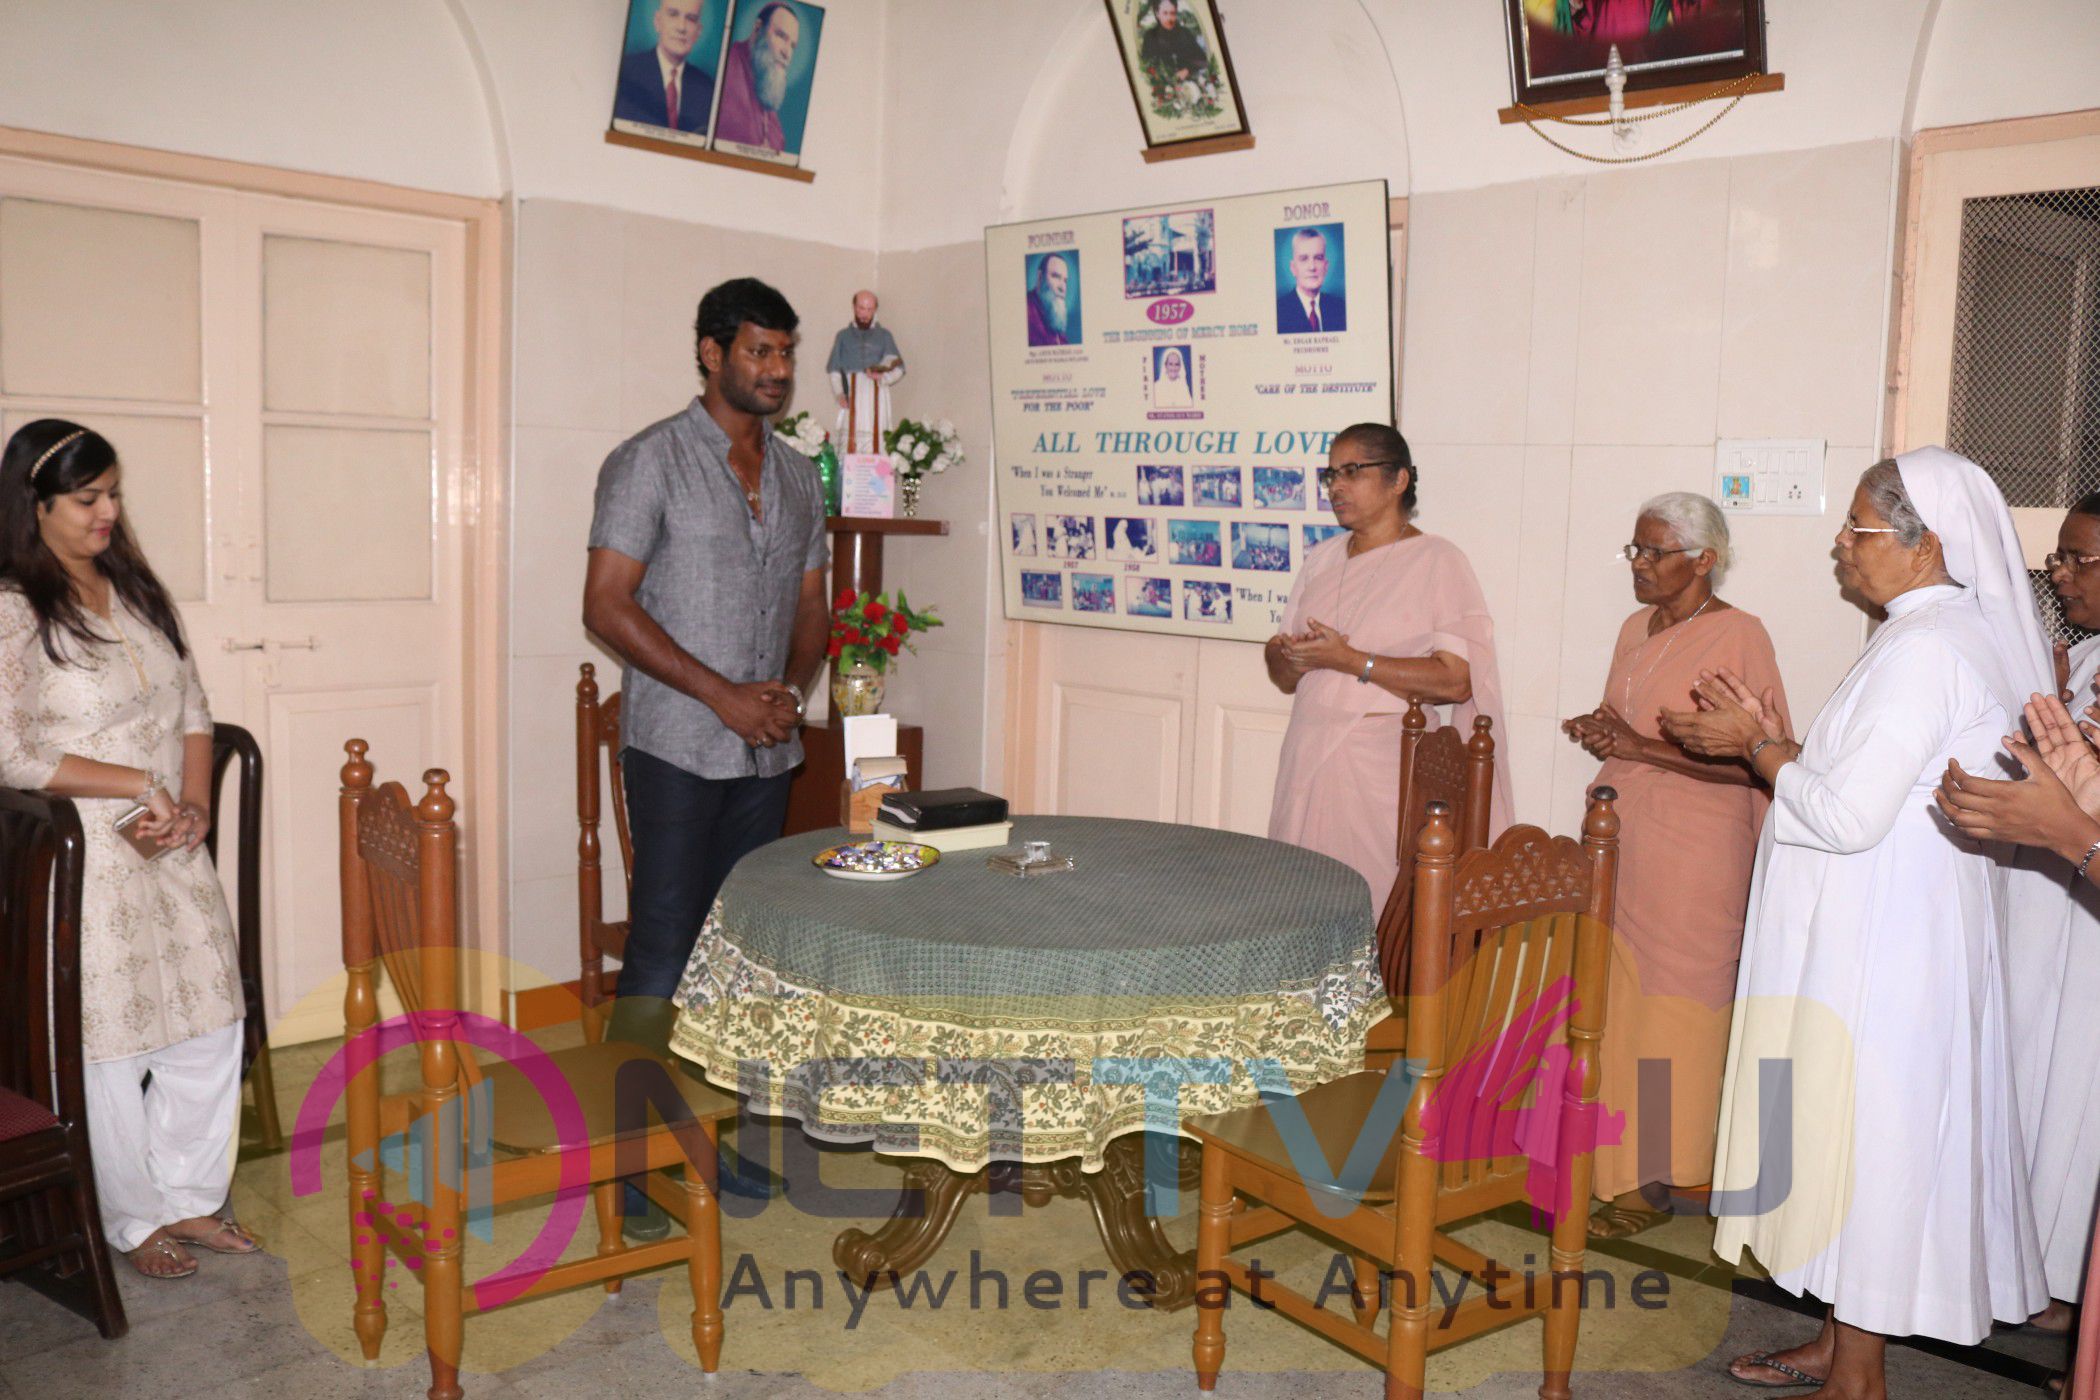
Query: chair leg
[265, 1085]
[443, 1304]
[367, 1266]
[703, 1223]
[1213, 1237]
[102, 1278]
[1569, 1244]
[1366, 1291]
[610, 1239]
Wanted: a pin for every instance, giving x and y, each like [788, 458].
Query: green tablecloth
[1172, 950]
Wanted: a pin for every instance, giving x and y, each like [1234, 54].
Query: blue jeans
[688, 832]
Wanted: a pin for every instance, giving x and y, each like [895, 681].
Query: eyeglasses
[1347, 471]
[1848, 528]
[1649, 552]
[2069, 563]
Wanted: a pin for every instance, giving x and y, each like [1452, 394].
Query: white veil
[1960, 503]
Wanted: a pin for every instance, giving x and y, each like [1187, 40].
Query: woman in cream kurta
[1688, 835]
[118, 717]
[1896, 1189]
[1378, 613]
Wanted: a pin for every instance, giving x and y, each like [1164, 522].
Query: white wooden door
[283, 381]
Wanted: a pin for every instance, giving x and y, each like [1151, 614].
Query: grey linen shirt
[724, 585]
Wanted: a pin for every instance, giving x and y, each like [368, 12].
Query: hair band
[52, 451]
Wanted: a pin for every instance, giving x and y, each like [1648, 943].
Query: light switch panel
[1769, 476]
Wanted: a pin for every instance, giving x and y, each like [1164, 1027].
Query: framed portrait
[670, 59]
[1312, 279]
[768, 72]
[1558, 48]
[1052, 282]
[1180, 72]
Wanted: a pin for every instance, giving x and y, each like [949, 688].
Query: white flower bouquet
[919, 449]
[803, 433]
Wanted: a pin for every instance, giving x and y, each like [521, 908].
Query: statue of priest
[864, 363]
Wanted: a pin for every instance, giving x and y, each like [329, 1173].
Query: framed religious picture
[768, 73]
[670, 59]
[1180, 75]
[1558, 49]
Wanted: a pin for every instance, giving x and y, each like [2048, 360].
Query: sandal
[1617, 1222]
[229, 1229]
[161, 1246]
[1770, 1361]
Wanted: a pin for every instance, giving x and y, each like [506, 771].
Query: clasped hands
[1727, 718]
[2054, 806]
[1604, 733]
[1318, 648]
[173, 823]
[761, 713]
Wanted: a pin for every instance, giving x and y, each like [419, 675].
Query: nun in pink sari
[1379, 615]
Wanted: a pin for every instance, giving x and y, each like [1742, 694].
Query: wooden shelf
[701, 153]
[1208, 146]
[1643, 97]
[881, 525]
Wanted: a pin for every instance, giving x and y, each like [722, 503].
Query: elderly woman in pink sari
[1688, 839]
[1379, 615]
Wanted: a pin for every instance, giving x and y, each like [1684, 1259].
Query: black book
[943, 808]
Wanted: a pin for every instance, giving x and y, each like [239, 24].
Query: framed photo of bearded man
[1180, 75]
[670, 58]
[768, 73]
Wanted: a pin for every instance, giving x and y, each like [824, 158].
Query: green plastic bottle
[828, 473]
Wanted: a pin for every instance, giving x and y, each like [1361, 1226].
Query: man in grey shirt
[706, 579]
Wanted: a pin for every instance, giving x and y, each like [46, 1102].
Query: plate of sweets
[875, 860]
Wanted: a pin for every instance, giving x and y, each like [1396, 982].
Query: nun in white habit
[2053, 963]
[1869, 1151]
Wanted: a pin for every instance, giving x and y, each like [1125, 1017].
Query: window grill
[2024, 397]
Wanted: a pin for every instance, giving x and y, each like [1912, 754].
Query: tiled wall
[1575, 346]
[604, 305]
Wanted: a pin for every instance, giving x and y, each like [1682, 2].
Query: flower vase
[908, 491]
[856, 690]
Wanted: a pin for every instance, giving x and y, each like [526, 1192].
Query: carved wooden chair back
[400, 893]
[50, 1222]
[1505, 1013]
[1436, 765]
[597, 750]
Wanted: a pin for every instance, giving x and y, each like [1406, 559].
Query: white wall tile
[1468, 324]
[568, 315]
[1556, 312]
[554, 474]
[1654, 256]
[1530, 631]
[1808, 255]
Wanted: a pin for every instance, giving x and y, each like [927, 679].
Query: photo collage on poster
[1166, 384]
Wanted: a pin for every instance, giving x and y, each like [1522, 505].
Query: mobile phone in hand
[127, 826]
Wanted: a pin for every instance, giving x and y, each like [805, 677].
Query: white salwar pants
[164, 1152]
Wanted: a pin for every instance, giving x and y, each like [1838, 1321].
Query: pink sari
[1338, 782]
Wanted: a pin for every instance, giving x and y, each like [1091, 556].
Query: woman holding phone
[100, 702]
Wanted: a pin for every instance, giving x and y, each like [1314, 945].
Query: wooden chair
[400, 884]
[228, 743]
[597, 741]
[1502, 936]
[1435, 766]
[50, 1223]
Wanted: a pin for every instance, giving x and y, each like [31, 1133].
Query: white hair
[1884, 483]
[1696, 523]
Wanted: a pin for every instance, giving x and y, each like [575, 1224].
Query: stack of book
[948, 819]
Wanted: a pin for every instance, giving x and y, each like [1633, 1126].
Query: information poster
[1165, 385]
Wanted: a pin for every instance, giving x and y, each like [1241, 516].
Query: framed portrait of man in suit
[670, 58]
[1311, 280]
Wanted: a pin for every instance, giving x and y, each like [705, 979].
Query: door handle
[231, 645]
[295, 644]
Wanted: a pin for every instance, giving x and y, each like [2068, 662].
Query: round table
[965, 1017]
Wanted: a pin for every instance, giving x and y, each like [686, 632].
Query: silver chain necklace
[1626, 696]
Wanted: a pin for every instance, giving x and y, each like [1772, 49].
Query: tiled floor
[277, 1326]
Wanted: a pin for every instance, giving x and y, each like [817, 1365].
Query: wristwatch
[801, 700]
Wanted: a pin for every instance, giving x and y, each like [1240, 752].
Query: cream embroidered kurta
[2053, 974]
[159, 963]
[1872, 974]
